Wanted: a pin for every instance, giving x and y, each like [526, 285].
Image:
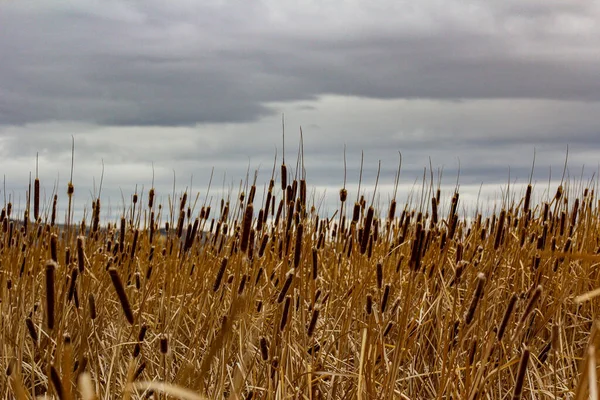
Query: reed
[300, 301]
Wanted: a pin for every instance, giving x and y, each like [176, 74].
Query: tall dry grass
[265, 298]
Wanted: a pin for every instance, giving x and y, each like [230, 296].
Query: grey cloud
[140, 63]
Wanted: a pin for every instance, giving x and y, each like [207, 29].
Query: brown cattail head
[53, 247]
[313, 321]
[527, 201]
[369, 304]
[343, 195]
[284, 315]
[283, 177]
[92, 304]
[531, 303]
[367, 230]
[57, 383]
[36, 199]
[247, 224]
[151, 198]
[506, 317]
[385, 297]
[264, 349]
[379, 275]
[164, 344]
[476, 297]
[80, 254]
[518, 391]
[220, 274]
[32, 330]
[286, 285]
[50, 298]
[118, 285]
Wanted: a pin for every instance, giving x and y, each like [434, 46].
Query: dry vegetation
[259, 296]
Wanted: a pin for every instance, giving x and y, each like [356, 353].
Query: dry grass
[286, 303]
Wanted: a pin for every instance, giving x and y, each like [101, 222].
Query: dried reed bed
[262, 297]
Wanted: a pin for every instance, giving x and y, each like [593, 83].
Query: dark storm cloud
[182, 63]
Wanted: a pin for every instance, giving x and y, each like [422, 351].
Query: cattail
[80, 254]
[50, 278]
[313, 321]
[531, 303]
[164, 344]
[92, 305]
[122, 235]
[518, 391]
[220, 274]
[543, 354]
[53, 247]
[434, 211]
[298, 248]
[506, 317]
[36, 199]
[260, 220]
[555, 337]
[379, 275]
[242, 284]
[574, 214]
[284, 315]
[31, 329]
[500, 229]
[264, 349]
[527, 200]
[392, 211]
[247, 224]
[56, 382]
[96, 217]
[415, 255]
[141, 336]
[367, 230]
[283, 177]
[356, 212]
[288, 282]
[385, 297]
[151, 198]
[343, 195]
[140, 369]
[476, 297]
[72, 287]
[369, 304]
[388, 328]
[116, 280]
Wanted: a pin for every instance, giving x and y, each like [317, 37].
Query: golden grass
[287, 303]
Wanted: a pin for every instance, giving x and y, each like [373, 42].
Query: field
[259, 296]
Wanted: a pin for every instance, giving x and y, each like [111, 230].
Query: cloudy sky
[187, 85]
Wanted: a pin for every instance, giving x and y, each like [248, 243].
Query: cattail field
[263, 295]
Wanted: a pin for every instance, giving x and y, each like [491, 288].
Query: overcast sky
[188, 85]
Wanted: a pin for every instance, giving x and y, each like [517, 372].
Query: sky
[158, 89]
